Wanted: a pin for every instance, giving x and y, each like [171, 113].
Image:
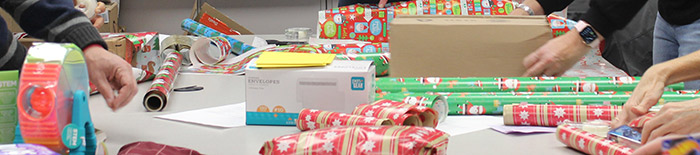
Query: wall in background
[260, 16]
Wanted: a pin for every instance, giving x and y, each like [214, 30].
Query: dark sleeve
[351, 2]
[606, 16]
[54, 21]
[550, 6]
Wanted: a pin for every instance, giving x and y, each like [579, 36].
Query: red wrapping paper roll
[361, 141]
[639, 122]
[589, 143]
[553, 115]
[400, 116]
[427, 115]
[157, 96]
[310, 119]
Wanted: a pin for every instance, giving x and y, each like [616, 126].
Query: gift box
[8, 105]
[589, 143]
[554, 115]
[273, 96]
[361, 141]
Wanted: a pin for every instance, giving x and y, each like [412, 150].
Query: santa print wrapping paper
[389, 140]
[508, 84]
[589, 143]
[310, 119]
[369, 23]
[491, 103]
[553, 115]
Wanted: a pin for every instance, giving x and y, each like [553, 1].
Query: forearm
[606, 16]
[681, 69]
[54, 21]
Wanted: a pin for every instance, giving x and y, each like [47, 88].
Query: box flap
[470, 20]
[337, 65]
[206, 8]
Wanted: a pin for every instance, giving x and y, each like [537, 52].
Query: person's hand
[654, 147]
[382, 3]
[556, 56]
[519, 12]
[109, 72]
[674, 118]
[645, 95]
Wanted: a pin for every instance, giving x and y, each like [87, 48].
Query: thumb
[382, 3]
[106, 90]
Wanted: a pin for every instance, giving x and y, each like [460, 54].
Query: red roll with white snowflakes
[310, 119]
[553, 115]
[427, 115]
[589, 143]
[640, 121]
[361, 141]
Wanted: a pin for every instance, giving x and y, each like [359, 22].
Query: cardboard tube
[155, 101]
[210, 51]
[156, 97]
[412, 120]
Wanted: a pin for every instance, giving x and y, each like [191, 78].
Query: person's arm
[651, 87]
[606, 16]
[59, 21]
[542, 7]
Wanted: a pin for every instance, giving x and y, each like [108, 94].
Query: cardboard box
[211, 11]
[275, 96]
[460, 46]
[111, 17]
[8, 105]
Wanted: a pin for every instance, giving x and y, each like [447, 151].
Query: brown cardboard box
[112, 19]
[120, 46]
[460, 46]
[206, 8]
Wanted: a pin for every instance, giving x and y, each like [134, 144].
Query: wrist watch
[588, 34]
[524, 7]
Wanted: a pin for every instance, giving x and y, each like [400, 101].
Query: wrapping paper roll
[237, 47]
[310, 119]
[407, 117]
[435, 102]
[361, 140]
[639, 122]
[507, 84]
[381, 60]
[210, 51]
[428, 116]
[157, 96]
[589, 143]
[553, 115]
[491, 103]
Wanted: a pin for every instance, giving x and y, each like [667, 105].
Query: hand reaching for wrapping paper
[556, 56]
[645, 95]
[674, 118]
[109, 72]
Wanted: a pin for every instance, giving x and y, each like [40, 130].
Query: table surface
[132, 123]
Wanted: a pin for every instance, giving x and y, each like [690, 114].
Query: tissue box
[8, 105]
[275, 96]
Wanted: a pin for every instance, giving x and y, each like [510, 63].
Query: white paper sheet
[227, 116]
[523, 129]
[457, 125]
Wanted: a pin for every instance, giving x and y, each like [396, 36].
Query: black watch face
[588, 35]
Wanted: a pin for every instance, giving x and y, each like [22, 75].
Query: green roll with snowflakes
[491, 103]
[433, 101]
[510, 84]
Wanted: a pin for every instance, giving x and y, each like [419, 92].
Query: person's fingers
[531, 59]
[106, 90]
[650, 99]
[127, 89]
[81, 5]
[652, 125]
[382, 3]
[654, 147]
[98, 21]
[537, 69]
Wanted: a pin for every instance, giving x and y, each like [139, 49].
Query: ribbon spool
[51, 75]
[89, 9]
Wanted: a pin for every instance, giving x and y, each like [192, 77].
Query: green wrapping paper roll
[478, 103]
[508, 84]
[435, 102]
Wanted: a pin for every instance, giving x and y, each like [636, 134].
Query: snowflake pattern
[330, 135]
[559, 112]
[409, 145]
[313, 110]
[282, 146]
[336, 122]
[311, 125]
[374, 128]
[414, 136]
[581, 143]
[369, 113]
[600, 151]
[375, 107]
[342, 114]
[308, 118]
[403, 109]
[328, 146]
[430, 129]
[396, 116]
[598, 112]
[386, 104]
[421, 108]
[563, 136]
[524, 115]
[626, 149]
[369, 119]
[525, 123]
[367, 146]
[523, 105]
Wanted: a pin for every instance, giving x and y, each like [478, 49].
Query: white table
[132, 123]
